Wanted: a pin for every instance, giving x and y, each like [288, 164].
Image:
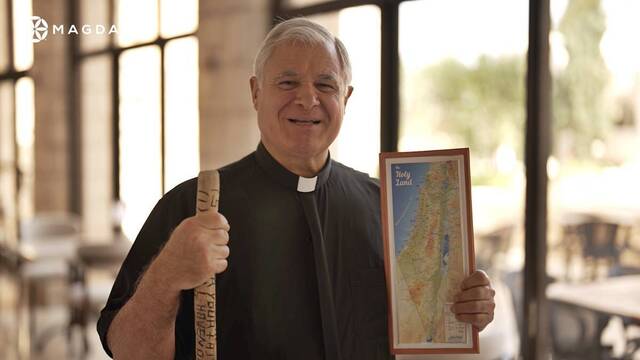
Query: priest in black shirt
[298, 253]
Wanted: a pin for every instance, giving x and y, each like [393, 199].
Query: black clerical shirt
[305, 278]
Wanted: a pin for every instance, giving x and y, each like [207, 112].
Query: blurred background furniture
[52, 276]
[631, 325]
[596, 241]
[68, 279]
[580, 313]
[13, 337]
[600, 246]
[100, 263]
[492, 247]
[576, 333]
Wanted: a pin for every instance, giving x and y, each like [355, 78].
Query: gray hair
[306, 32]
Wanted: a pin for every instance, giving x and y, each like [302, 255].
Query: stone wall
[52, 143]
[229, 34]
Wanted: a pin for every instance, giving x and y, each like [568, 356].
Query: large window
[595, 161]
[474, 74]
[16, 118]
[141, 88]
[136, 113]
[594, 168]
[463, 85]
[16, 163]
[358, 143]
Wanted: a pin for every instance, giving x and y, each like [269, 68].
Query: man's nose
[306, 96]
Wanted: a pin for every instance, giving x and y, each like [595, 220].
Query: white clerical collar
[307, 184]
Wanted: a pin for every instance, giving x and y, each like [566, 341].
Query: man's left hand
[474, 303]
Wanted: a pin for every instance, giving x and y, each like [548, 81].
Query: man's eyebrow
[286, 73]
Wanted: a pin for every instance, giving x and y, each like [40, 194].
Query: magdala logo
[39, 29]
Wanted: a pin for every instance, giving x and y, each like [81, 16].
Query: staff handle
[204, 302]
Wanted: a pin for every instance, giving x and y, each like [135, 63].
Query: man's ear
[255, 90]
[348, 94]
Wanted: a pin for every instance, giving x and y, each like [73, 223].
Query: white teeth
[315, 122]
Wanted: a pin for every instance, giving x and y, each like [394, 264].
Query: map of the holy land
[428, 252]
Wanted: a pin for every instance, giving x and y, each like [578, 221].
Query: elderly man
[298, 251]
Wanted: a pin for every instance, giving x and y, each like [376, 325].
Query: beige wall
[51, 126]
[229, 34]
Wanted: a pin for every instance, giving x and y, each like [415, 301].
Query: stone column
[52, 143]
[229, 34]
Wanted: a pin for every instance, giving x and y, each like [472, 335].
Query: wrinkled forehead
[296, 57]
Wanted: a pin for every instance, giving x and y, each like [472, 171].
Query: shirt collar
[288, 179]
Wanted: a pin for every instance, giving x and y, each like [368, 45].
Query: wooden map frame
[470, 344]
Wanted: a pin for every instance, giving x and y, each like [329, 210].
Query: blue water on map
[444, 258]
[405, 199]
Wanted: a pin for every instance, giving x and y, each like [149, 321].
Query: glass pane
[182, 160]
[140, 146]
[25, 121]
[137, 21]
[178, 17]
[22, 35]
[463, 85]
[358, 143]
[8, 210]
[95, 13]
[594, 208]
[4, 34]
[96, 118]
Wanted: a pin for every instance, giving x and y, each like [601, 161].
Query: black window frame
[114, 51]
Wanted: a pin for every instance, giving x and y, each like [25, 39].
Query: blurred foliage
[578, 91]
[483, 105]
[480, 107]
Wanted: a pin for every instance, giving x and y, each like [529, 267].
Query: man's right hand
[196, 250]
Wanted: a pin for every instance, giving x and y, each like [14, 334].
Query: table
[617, 296]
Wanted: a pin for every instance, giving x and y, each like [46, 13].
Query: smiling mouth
[304, 122]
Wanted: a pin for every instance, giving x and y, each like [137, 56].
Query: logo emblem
[39, 29]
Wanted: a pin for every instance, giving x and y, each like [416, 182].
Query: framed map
[428, 237]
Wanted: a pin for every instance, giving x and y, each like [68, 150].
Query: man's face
[300, 100]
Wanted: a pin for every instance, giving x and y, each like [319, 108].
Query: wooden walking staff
[204, 301]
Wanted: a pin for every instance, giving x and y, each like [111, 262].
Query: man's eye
[326, 87]
[287, 84]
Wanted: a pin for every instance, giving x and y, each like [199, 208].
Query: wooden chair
[596, 241]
